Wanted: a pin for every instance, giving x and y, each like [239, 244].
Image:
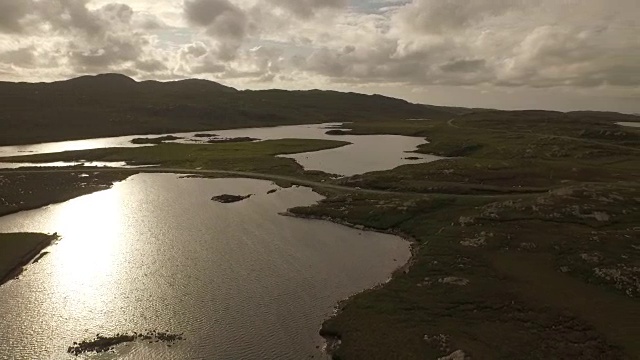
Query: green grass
[552, 263]
[22, 192]
[250, 156]
[545, 233]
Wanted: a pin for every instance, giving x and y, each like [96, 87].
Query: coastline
[21, 249]
[53, 188]
[24, 259]
[333, 340]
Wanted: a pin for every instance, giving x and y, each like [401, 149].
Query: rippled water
[4, 165]
[366, 152]
[632, 124]
[155, 252]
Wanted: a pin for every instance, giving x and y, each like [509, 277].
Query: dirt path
[246, 174]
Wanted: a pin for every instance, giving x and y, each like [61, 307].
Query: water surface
[632, 124]
[366, 153]
[154, 252]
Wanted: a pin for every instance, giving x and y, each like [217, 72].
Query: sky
[507, 54]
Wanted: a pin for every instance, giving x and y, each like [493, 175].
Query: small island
[156, 140]
[228, 199]
[204, 135]
[337, 132]
[103, 343]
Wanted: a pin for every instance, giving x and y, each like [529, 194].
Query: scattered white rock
[456, 355]
[601, 216]
[453, 280]
[479, 240]
[464, 220]
[592, 258]
[528, 245]
[426, 282]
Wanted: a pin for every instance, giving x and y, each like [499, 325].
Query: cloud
[307, 8]
[222, 20]
[22, 57]
[11, 14]
[440, 16]
[69, 16]
[463, 43]
[349, 44]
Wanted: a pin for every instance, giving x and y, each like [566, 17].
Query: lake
[631, 124]
[366, 153]
[154, 252]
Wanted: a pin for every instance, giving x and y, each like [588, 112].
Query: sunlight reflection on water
[154, 252]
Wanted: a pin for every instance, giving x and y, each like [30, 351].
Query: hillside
[112, 105]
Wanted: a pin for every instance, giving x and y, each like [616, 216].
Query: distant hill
[113, 105]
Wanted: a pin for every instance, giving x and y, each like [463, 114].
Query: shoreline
[333, 341]
[26, 259]
[69, 188]
[66, 192]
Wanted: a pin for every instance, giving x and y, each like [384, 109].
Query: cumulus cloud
[404, 44]
[12, 12]
[440, 16]
[222, 20]
[307, 8]
[22, 57]
[537, 43]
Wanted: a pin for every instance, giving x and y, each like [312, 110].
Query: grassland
[244, 156]
[22, 191]
[526, 238]
[546, 267]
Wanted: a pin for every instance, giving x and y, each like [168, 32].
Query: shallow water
[154, 252]
[4, 165]
[632, 124]
[366, 152]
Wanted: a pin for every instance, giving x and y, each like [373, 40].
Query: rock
[456, 355]
[478, 241]
[452, 280]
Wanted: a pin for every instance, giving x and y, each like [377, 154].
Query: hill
[113, 105]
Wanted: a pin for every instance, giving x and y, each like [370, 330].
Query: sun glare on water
[86, 262]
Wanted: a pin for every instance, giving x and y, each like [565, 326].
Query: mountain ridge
[104, 105]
